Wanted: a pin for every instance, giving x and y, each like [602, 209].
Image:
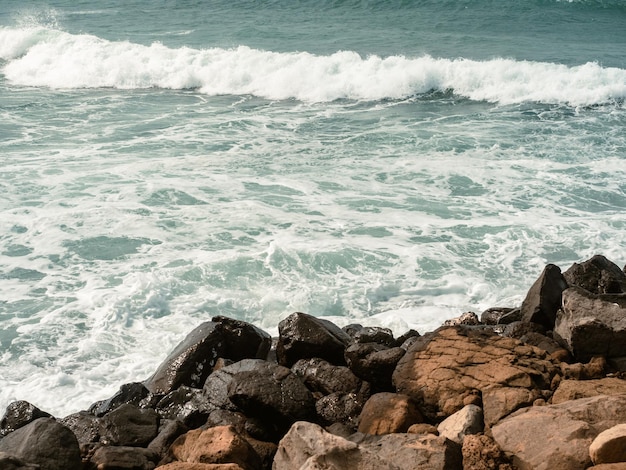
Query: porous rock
[20, 413]
[557, 437]
[597, 275]
[84, 425]
[344, 408]
[273, 394]
[374, 363]
[441, 371]
[129, 425]
[592, 324]
[575, 389]
[467, 318]
[480, 452]
[44, 442]
[468, 420]
[386, 413]
[609, 446]
[217, 445]
[543, 299]
[303, 336]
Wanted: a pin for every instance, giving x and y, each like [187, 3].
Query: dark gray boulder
[499, 315]
[84, 425]
[543, 299]
[186, 404]
[129, 425]
[597, 275]
[20, 413]
[44, 442]
[592, 324]
[243, 340]
[343, 408]
[132, 393]
[169, 430]
[273, 394]
[323, 377]
[303, 336]
[374, 363]
[215, 388]
[9, 462]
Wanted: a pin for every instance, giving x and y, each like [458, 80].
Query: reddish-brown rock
[481, 452]
[386, 413]
[575, 389]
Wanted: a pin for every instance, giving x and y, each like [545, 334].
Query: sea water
[386, 162]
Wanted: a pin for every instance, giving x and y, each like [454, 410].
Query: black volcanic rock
[20, 413]
[543, 299]
[598, 275]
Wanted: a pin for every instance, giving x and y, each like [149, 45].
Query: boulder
[132, 393]
[499, 402]
[344, 408]
[480, 452]
[191, 362]
[323, 377]
[453, 364]
[575, 389]
[386, 413]
[218, 445]
[468, 318]
[169, 431]
[406, 339]
[592, 324]
[597, 275]
[272, 394]
[609, 446]
[374, 334]
[216, 385]
[557, 437]
[188, 405]
[609, 466]
[8, 462]
[84, 425]
[374, 363]
[468, 420]
[423, 428]
[44, 442]
[544, 297]
[20, 413]
[129, 425]
[308, 446]
[499, 316]
[303, 336]
[123, 458]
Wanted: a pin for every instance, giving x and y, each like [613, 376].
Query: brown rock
[123, 458]
[592, 325]
[455, 362]
[386, 413]
[480, 452]
[200, 466]
[502, 401]
[423, 428]
[609, 466]
[557, 437]
[544, 297]
[609, 446]
[221, 444]
[575, 389]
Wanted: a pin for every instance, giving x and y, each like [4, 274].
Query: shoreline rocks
[541, 385]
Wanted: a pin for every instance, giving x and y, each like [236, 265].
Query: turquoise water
[390, 163]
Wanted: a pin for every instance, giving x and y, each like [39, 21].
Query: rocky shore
[539, 386]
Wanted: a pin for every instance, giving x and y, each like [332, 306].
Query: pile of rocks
[536, 387]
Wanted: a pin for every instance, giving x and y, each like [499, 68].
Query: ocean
[388, 162]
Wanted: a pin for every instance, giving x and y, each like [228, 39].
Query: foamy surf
[40, 57]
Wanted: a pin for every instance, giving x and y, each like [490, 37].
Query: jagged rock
[216, 385]
[303, 336]
[218, 445]
[132, 393]
[594, 369]
[495, 315]
[84, 425]
[544, 297]
[20, 413]
[187, 405]
[44, 442]
[374, 363]
[308, 446]
[273, 394]
[374, 334]
[193, 359]
[468, 420]
[243, 340]
[480, 452]
[519, 329]
[609, 446]
[344, 408]
[575, 389]
[129, 425]
[557, 437]
[468, 318]
[386, 413]
[597, 275]
[123, 458]
[542, 341]
[440, 371]
[169, 431]
[592, 325]
[323, 377]
[405, 340]
[9, 462]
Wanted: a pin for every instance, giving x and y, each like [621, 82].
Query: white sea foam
[55, 59]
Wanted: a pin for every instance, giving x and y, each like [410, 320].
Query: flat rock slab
[575, 389]
[557, 437]
[440, 371]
